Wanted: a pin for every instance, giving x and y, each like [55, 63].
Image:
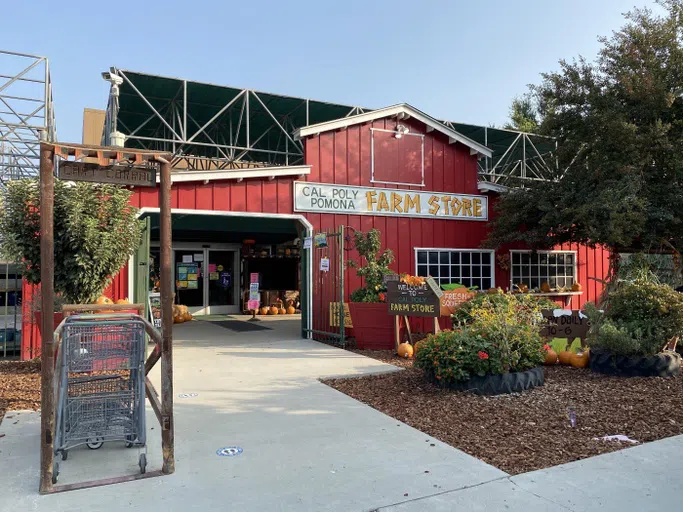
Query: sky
[458, 60]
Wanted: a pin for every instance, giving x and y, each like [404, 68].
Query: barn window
[397, 156]
[557, 268]
[469, 267]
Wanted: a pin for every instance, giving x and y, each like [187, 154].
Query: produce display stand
[122, 166]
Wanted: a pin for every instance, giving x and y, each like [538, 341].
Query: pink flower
[546, 347]
[482, 355]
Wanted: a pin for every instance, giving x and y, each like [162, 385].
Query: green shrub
[499, 335]
[640, 319]
[376, 266]
[524, 307]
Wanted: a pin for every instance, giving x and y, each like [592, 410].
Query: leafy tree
[95, 232]
[618, 122]
[523, 115]
[376, 266]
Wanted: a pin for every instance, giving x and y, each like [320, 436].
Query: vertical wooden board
[459, 169]
[353, 161]
[440, 232]
[147, 197]
[449, 173]
[186, 196]
[269, 198]
[437, 166]
[174, 197]
[365, 157]
[582, 262]
[254, 195]
[427, 232]
[404, 247]
[341, 175]
[285, 195]
[415, 241]
[429, 164]
[312, 157]
[135, 197]
[451, 235]
[221, 195]
[470, 173]
[238, 197]
[204, 196]
[327, 157]
[390, 237]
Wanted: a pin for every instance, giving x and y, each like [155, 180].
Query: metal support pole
[167, 434]
[47, 396]
[6, 303]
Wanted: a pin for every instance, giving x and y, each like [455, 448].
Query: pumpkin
[566, 356]
[418, 346]
[405, 350]
[179, 319]
[187, 317]
[576, 287]
[102, 299]
[273, 310]
[122, 301]
[522, 288]
[282, 311]
[263, 310]
[545, 287]
[579, 360]
[291, 310]
[550, 357]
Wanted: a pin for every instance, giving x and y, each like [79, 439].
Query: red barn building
[415, 179]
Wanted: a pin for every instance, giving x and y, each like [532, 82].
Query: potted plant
[372, 325]
[636, 332]
[96, 230]
[498, 348]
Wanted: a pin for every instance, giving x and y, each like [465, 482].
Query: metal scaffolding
[206, 126]
[26, 113]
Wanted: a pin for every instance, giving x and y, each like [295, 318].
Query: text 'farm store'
[256, 174]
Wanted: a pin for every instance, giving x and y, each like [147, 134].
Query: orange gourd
[579, 360]
[566, 357]
[282, 311]
[103, 299]
[273, 310]
[187, 317]
[291, 310]
[405, 350]
[576, 287]
[550, 357]
[545, 287]
[122, 301]
[263, 310]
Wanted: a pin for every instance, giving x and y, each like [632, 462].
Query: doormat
[240, 326]
[213, 318]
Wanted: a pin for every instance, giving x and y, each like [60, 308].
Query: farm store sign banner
[325, 198]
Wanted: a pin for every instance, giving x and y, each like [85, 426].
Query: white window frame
[461, 250]
[525, 251]
[372, 158]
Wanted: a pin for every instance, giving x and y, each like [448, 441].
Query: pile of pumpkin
[278, 309]
[103, 300]
[567, 358]
[181, 314]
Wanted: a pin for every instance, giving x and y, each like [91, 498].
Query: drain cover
[229, 451]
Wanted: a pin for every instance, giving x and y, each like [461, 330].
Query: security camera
[113, 78]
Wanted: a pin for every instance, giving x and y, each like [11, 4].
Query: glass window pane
[534, 283]
[552, 259]
[444, 257]
[543, 258]
[455, 257]
[465, 258]
[422, 256]
[560, 259]
[486, 258]
[516, 258]
[455, 272]
[485, 284]
[526, 258]
[569, 259]
[422, 270]
[434, 270]
[486, 271]
[465, 271]
[433, 257]
[444, 271]
[476, 258]
[476, 271]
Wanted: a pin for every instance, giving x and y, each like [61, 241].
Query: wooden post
[47, 394]
[397, 332]
[437, 327]
[167, 435]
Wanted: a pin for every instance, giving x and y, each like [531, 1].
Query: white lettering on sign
[321, 197]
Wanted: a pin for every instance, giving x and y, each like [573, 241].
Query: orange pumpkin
[576, 287]
[566, 356]
[550, 357]
[579, 360]
[179, 319]
[545, 287]
[263, 310]
[522, 287]
[405, 350]
[122, 301]
[187, 317]
[282, 311]
[273, 310]
[291, 310]
[103, 299]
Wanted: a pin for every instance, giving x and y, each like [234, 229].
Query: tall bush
[95, 232]
[374, 269]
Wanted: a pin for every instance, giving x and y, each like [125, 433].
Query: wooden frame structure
[104, 156]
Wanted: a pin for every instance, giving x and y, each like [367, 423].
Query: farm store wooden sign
[411, 300]
[114, 174]
[325, 198]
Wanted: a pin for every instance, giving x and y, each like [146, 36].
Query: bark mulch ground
[19, 386]
[531, 430]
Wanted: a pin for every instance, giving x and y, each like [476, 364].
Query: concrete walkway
[308, 447]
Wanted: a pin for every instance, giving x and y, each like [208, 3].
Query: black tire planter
[665, 364]
[514, 382]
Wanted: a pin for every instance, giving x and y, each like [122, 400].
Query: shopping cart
[101, 384]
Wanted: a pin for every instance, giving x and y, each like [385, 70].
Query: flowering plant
[376, 266]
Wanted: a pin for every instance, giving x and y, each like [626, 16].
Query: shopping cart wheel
[143, 463]
[95, 442]
[65, 454]
[55, 472]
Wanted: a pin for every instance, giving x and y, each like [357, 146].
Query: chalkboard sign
[155, 309]
[565, 323]
[410, 300]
